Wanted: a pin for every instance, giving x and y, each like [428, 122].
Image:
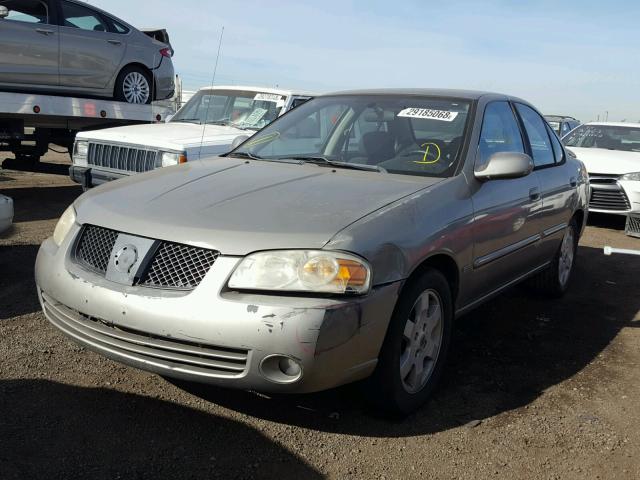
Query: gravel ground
[534, 389]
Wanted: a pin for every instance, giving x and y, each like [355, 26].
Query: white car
[6, 212]
[611, 154]
[210, 123]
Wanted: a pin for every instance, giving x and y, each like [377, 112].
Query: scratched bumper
[211, 335]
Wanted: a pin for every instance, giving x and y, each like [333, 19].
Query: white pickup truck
[208, 124]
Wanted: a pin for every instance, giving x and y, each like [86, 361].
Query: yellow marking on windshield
[427, 146]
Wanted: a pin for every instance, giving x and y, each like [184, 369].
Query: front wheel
[415, 348]
[133, 85]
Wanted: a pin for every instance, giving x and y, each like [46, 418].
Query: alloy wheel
[135, 88]
[567, 252]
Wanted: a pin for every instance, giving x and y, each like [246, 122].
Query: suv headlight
[167, 159]
[64, 225]
[80, 152]
[631, 176]
[302, 271]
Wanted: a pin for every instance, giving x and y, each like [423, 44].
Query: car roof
[560, 117]
[429, 92]
[615, 124]
[276, 91]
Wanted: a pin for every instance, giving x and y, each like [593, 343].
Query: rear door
[29, 43]
[90, 49]
[505, 226]
[557, 184]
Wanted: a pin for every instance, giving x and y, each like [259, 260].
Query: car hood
[172, 135]
[237, 206]
[612, 162]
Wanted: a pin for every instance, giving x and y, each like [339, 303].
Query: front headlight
[171, 158]
[63, 226]
[634, 177]
[302, 271]
[80, 152]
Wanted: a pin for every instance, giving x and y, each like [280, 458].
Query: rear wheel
[554, 281]
[415, 348]
[133, 85]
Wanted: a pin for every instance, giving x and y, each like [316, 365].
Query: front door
[505, 226]
[89, 53]
[28, 44]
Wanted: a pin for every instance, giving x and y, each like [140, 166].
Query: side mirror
[505, 165]
[4, 11]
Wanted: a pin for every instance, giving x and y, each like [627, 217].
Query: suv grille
[121, 157]
[172, 266]
[609, 200]
[179, 266]
[633, 226]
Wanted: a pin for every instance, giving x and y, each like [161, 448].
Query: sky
[569, 57]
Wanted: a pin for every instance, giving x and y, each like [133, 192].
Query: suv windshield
[402, 134]
[610, 137]
[239, 108]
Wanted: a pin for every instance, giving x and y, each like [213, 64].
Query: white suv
[213, 120]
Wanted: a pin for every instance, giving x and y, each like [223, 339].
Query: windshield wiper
[320, 160]
[244, 155]
[187, 120]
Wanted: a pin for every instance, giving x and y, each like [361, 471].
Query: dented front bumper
[213, 335]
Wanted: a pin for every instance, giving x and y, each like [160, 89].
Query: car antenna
[213, 78]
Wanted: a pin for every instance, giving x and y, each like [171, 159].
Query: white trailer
[30, 122]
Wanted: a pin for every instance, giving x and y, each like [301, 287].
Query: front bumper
[621, 197]
[215, 336]
[92, 177]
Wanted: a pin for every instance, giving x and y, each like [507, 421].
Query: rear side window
[500, 132]
[27, 11]
[538, 136]
[78, 16]
[557, 146]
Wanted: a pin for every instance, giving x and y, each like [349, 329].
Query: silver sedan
[68, 46]
[337, 244]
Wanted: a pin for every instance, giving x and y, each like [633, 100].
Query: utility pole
[607, 116]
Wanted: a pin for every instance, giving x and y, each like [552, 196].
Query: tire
[394, 388]
[134, 85]
[554, 281]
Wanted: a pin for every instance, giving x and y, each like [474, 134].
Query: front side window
[538, 136]
[237, 108]
[402, 134]
[27, 11]
[78, 16]
[500, 132]
[610, 137]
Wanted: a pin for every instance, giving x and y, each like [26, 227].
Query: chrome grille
[172, 266]
[633, 226]
[121, 157]
[609, 199]
[94, 247]
[164, 353]
[178, 266]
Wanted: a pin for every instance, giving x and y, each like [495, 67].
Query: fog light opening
[281, 369]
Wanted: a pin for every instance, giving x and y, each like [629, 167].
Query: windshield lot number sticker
[427, 113]
[267, 97]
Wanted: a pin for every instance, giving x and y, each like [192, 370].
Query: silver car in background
[337, 244]
[66, 46]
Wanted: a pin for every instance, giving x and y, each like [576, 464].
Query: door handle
[44, 31]
[115, 42]
[534, 194]
[573, 182]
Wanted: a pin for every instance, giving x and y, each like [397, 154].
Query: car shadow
[52, 430]
[38, 167]
[603, 220]
[17, 283]
[41, 203]
[504, 356]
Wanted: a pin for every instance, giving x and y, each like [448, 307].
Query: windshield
[245, 109]
[626, 139]
[401, 134]
[555, 126]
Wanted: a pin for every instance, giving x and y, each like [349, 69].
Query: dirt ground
[534, 388]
